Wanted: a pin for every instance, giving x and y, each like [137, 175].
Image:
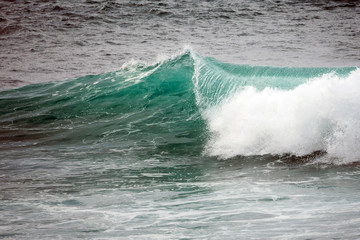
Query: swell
[139, 106]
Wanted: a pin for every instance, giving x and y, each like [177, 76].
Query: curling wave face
[190, 104]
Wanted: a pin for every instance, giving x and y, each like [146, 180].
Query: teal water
[186, 148]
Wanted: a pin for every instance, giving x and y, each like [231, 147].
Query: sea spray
[321, 114]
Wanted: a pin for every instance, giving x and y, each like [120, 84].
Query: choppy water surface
[56, 40]
[183, 197]
[252, 132]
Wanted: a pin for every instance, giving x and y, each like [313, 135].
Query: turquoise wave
[217, 80]
[158, 106]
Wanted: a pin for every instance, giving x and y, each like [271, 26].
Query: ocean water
[179, 119]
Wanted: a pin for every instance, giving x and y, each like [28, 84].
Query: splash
[322, 114]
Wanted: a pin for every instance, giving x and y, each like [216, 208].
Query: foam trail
[321, 114]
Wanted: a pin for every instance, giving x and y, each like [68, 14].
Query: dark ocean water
[56, 40]
[179, 119]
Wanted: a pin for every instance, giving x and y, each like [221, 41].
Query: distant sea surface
[179, 119]
[49, 40]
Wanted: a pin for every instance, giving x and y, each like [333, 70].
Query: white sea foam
[322, 114]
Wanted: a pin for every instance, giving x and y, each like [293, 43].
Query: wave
[192, 104]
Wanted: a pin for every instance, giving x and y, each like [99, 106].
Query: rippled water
[179, 144]
[55, 40]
